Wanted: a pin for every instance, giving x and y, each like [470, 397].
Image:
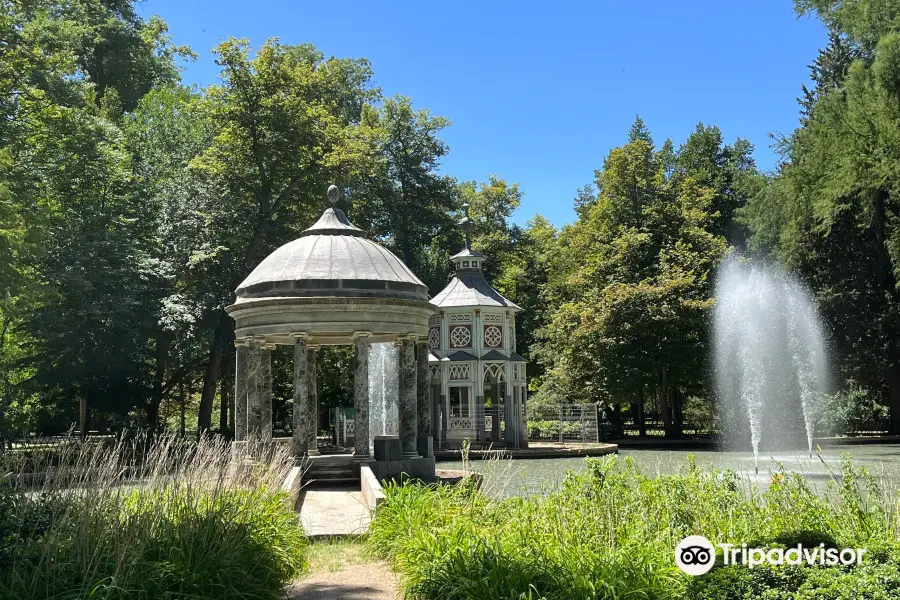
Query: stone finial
[334, 194]
[466, 224]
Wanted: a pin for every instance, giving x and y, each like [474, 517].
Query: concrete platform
[535, 450]
[333, 512]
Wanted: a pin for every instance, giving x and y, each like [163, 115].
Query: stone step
[352, 482]
[329, 473]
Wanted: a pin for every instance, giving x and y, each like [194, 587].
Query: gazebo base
[405, 468]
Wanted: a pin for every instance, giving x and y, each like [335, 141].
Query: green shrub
[193, 524]
[610, 532]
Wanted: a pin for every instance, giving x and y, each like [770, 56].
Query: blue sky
[539, 94]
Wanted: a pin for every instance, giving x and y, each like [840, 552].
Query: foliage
[831, 211]
[631, 285]
[591, 538]
[147, 520]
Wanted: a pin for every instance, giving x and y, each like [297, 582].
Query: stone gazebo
[334, 286]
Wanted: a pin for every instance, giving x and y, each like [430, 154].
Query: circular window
[460, 337]
[434, 338]
[493, 336]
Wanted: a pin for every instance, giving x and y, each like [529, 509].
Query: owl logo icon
[695, 555]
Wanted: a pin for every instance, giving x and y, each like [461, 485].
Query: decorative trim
[461, 336]
[493, 318]
[493, 336]
[460, 318]
[459, 372]
[496, 370]
[460, 423]
[434, 338]
[362, 334]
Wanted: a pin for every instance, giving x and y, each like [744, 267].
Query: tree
[286, 125]
[837, 185]
[630, 287]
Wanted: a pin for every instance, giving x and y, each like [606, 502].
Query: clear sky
[539, 94]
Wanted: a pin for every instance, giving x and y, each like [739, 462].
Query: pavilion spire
[466, 224]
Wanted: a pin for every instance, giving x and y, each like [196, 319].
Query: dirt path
[342, 571]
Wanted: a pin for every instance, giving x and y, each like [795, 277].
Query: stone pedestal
[425, 445]
[388, 448]
[408, 401]
[361, 397]
[401, 470]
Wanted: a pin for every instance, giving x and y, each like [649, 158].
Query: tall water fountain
[770, 360]
[384, 389]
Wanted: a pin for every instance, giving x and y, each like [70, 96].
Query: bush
[610, 532]
[188, 522]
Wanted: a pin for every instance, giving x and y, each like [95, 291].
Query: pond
[516, 477]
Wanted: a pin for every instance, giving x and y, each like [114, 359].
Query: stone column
[407, 404]
[511, 433]
[301, 396]
[313, 414]
[241, 350]
[265, 394]
[423, 391]
[254, 389]
[361, 397]
[495, 410]
[425, 417]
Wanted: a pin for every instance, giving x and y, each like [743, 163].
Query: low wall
[292, 484]
[372, 493]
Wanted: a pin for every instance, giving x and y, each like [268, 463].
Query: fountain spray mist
[384, 386]
[770, 360]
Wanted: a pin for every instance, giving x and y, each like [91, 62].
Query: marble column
[254, 389]
[313, 412]
[407, 405]
[301, 397]
[423, 391]
[265, 394]
[240, 391]
[361, 397]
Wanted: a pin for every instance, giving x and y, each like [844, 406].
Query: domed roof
[332, 258]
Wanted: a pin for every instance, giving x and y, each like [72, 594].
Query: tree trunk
[639, 414]
[892, 376]
[888, 282]
[161, 356]
[183, 399]
[665, 411]
[677, 410]
[84, 415]
[211, 378]
[224, 403]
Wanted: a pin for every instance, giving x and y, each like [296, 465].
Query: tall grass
[610, 533]
[147, 519]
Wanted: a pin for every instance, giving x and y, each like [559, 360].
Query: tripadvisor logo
[696, 555]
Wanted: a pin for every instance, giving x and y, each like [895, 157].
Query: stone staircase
[334, 470]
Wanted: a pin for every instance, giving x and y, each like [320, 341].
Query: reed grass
[141, 519]
[610, 533]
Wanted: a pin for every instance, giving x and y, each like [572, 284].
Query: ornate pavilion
[478, 380]
[334, 286]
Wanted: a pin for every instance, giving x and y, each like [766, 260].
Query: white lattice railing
[460, 423]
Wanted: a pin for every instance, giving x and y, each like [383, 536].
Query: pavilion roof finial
[466, 224]
[334, 194]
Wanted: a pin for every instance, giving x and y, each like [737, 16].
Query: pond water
[517, 477]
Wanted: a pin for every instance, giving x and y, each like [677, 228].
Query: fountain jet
[770, 360]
